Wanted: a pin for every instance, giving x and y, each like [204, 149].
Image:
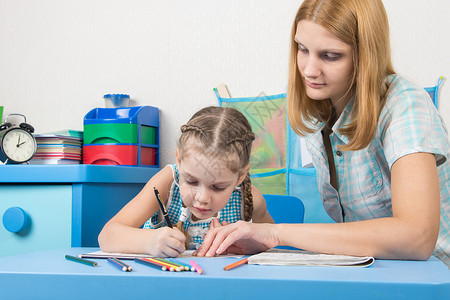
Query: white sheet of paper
[102, 254]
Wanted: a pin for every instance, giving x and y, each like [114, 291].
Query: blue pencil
[129, 269]
[117, 264]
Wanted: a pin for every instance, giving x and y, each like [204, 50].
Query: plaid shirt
[409, 123]
[232, 212]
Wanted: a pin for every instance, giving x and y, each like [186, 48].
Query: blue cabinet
[54, 206]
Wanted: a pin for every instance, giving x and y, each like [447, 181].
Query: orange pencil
[236, 264]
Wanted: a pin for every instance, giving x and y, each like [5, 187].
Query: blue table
[48, 275]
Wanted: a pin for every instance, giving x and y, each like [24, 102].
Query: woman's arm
[123, 233]
[411, 233]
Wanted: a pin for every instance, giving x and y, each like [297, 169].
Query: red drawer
[118, 155]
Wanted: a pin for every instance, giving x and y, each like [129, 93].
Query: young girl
[209, 181]
[379, 146]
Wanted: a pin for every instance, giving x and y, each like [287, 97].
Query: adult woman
[378, 144]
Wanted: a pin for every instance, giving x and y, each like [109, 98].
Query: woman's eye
[331, 56]
[302, 48]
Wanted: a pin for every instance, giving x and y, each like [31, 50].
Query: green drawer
[118, 133]
[148, 135]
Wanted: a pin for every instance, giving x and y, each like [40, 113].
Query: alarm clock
[17, 143]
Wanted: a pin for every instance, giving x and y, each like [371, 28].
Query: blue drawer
[49, 212]
[67, 205]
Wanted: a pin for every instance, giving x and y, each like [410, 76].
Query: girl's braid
[248, 197]
[194, 128]
[248, 136]
[245, 141]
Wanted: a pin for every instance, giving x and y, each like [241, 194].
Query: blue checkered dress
[409, 123]
[232, 212]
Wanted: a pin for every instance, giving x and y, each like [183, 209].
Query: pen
[163, 209]
[81, 260]
[236, 264]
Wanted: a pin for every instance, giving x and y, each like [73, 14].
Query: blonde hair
[362, 24]
[220, 133]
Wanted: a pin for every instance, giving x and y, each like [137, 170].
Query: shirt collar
[343, 120]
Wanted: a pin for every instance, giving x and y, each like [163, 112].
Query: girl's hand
[166, 242]
[239, 238]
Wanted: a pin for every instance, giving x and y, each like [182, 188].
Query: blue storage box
[125, 126]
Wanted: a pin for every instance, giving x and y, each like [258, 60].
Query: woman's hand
[165, 242]
[238, 238]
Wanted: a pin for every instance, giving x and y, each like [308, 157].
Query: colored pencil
[169, 261]
[176, 267]
[186, 266]
[120, 265]
[163, 209]
[150, 264]
[129, 268]
[236, 264]
[117, 265]
[81, 260]
[168, 266]
[197, 267]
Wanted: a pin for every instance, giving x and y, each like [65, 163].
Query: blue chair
[285, 209]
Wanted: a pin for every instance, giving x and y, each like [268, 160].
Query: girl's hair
[221, 133]
[362, 24]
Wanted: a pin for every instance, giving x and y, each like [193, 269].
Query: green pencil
[81, 260]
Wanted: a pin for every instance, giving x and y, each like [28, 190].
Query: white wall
[59, 57]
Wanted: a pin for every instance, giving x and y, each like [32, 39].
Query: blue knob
[15, 219]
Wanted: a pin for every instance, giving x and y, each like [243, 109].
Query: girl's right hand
[166, 242]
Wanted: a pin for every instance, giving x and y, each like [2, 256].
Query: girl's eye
[219, 188]
[331, 56]
[191, 182]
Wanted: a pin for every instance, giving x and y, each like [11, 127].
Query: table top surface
[49, 269]
[75, 173]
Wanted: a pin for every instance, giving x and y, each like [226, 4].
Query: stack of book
[59, 147]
